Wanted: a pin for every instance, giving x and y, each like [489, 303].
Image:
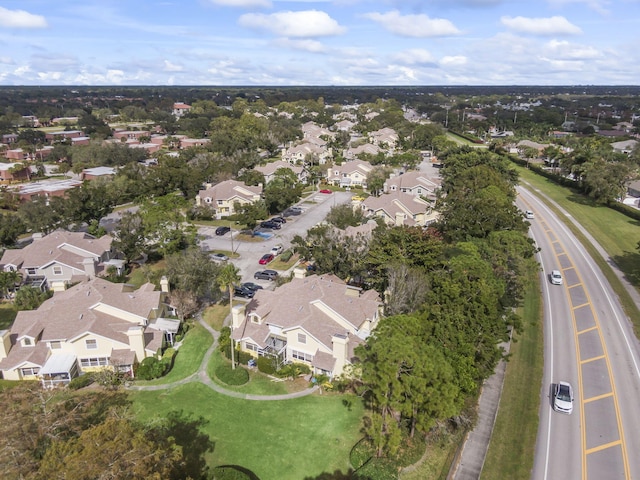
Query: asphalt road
[589, 342]
[316, 207]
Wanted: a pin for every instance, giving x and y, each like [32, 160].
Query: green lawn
[259, 383]
[615, 232]
[277, 440]
[7, 315]
[215, 315]
[189, 357]
[512, 446]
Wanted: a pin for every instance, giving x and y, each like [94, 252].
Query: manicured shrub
[286, 255]
[243, 357]
[233, 472]
[293, 370]
[266, 365]
[150, 368]
[168, 358]
[81, 381]
[237, 376]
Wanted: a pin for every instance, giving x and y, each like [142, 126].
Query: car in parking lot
[243, 291]
[556, 277]
[222, 230]
[292, 211]
[278, 220]
[563, 397]
[219, 257]
[266, 258]
[266, 275]
[272, 225]
[276, 250]
[326, 191]
[251, 286]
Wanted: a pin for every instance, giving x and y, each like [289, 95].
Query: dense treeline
[449, 290]
[47, 434]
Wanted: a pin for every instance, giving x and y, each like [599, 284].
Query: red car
[266, 258]
[325, 190]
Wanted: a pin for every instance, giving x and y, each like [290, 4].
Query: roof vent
[80, 317]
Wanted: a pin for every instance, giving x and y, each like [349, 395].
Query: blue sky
[304, 42]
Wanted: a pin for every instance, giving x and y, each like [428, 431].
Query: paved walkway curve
[201, 376]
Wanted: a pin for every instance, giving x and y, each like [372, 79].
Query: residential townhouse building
[61, 258]
[269, 170]
[399, 208]
[350, 174]
[317, 320]
[93, 325]
[223, 196]
[14, 172]
[414, 183]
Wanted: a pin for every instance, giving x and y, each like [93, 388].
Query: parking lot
[315, 208]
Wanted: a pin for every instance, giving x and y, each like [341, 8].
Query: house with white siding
[92, 325]
[317, 320]
[223, 196]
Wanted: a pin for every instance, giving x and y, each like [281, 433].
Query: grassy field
[277, 440]
[513, 441]
[512, 445]
[615, 232]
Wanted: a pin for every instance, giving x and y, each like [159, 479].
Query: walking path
[201, 376]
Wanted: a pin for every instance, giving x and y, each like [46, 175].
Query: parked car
[272, 225]
[563, 397]
[266, 258]
[326, 191]
[244, 292]
[251, 286]
[278, 220]
[357, 198]
[276, 250]
[219, 257]
[292, 211]
[266, 275]
[222, 230]
[556, 277]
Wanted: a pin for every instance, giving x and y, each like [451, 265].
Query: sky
[325, 42]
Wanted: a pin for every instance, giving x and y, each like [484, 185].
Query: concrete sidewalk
[471, 460]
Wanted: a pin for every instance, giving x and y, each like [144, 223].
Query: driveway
[315, 208]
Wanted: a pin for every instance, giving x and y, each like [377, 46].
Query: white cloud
[21, 19]
[307, 45]
[242, 3]
[453, 61]
[172, 67]
[6, 60]
[414, 56]
[541, 26]
[568, 51]
[302, 24]
[413, 25]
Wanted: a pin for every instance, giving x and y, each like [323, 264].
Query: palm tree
[229, 277]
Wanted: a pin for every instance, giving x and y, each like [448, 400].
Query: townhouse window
[26, 342]
[94, 362]
[29, 371]
[219, 202]
[305, 357]
[31, 271]
[55, 345]
[251, 346]
[57, 270]
[302, 338]
[91, 343]
[207, 200]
